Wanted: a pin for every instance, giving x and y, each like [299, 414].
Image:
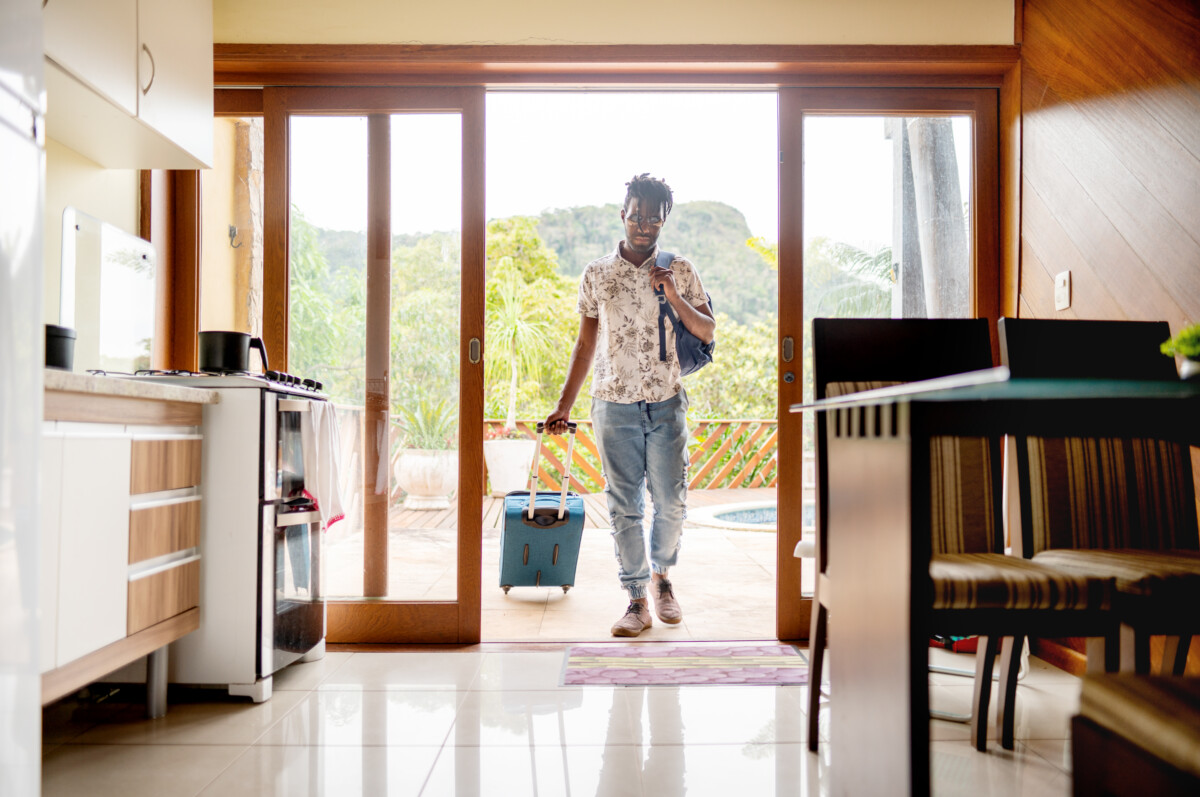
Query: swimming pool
[748, 516]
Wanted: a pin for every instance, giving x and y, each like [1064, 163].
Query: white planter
[428, 478]
[509, 463]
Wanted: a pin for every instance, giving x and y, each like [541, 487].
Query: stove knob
[311, 384]
[317, 386]
[273, 376]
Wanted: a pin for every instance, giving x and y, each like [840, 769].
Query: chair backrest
[1099, 492]
[1037, 348]
[853, 354]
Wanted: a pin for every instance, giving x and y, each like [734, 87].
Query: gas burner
[171, 372]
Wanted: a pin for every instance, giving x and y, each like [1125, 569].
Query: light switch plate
[1062, 290]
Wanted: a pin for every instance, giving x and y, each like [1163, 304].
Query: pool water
[758, 516]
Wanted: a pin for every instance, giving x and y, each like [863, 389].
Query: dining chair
[1111, 507]
[976, 588]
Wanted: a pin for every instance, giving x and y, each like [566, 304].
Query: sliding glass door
[373, 236]
[888, 209]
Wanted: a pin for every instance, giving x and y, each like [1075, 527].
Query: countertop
[70, 382]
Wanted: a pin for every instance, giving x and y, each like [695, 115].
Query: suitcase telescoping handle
[566, 482]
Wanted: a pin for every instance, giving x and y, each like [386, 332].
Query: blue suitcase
[541, 548]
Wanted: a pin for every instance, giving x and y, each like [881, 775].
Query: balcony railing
[724, 454]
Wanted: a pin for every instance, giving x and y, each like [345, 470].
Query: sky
[560, 149]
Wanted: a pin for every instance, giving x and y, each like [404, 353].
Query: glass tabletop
[996, 384]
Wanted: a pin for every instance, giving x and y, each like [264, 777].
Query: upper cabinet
[129, 82]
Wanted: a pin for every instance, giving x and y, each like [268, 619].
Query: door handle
[473, 350]
[788, 348]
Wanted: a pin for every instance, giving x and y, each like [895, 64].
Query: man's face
[641, 234]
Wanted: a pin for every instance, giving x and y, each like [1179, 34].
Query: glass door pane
[326, 306]
[887, 232]
[426, 283]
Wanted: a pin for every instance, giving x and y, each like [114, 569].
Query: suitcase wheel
[506, 588]
[566, 587]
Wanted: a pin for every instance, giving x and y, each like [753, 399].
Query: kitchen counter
[70, 382]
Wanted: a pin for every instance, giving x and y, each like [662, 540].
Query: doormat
[675, 665]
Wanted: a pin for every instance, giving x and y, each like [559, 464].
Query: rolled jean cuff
[661, 570]
[636, 591]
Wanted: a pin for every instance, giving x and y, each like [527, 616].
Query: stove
[275, 380]
[261, 593]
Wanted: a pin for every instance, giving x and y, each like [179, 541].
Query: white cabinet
[51, 514]
[129, 82]
[97, 42]
[93, 548]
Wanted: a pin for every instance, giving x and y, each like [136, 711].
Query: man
[638, 401]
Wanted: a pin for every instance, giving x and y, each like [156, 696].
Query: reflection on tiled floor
[491, 720]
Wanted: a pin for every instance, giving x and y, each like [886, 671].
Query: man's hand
[664, 278]
[556, 422]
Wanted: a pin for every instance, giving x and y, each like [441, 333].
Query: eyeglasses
[638, 218]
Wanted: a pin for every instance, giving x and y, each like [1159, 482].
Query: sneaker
[665, 605]
[635, 621]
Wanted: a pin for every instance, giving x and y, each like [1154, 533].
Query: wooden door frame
[376, 619]
[987, 256]
[635, 67]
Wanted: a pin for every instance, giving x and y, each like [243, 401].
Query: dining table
[879, 495]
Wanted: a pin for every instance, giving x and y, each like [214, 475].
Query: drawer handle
[285, 519]
[172, 561]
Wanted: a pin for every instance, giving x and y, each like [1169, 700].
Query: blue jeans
[644, 444]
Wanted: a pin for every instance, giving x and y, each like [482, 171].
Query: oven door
[293, 617]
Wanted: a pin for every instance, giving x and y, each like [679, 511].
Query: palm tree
[518, 328]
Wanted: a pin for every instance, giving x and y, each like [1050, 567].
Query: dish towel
[322, 445]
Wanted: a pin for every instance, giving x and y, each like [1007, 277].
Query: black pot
[60, 347]
[229, 352]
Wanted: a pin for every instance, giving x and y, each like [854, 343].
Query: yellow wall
[614, 21]
[108, 194]
[218, 273]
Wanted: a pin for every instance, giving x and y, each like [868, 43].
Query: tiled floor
[492, 720]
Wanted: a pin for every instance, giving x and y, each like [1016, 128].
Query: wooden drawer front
[155, 598]
[164, 465]
[159, 530]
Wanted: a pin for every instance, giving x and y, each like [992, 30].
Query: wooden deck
[594, 505]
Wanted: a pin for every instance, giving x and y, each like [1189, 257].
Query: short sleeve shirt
[618, 294]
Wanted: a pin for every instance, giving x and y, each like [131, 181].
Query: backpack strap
[665, 312]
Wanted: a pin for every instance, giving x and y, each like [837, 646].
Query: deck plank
[595, 509]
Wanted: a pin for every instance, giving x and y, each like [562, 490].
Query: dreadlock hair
[652, 190]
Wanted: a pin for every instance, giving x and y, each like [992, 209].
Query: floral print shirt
[618, 294]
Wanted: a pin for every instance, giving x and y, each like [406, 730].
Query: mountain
[710, 234]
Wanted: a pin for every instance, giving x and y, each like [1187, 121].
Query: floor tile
[129, 770]
[547, 717]
[959, 770]
[519, 670]
[210, 717]
[302, 676]
[719, 715]
[503, 771]
[407, 669]
[325, 772]
[358, 718]
[758, 769]
[1041, 712]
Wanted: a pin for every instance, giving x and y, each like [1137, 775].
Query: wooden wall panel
[1110, 169]
[1111, 158]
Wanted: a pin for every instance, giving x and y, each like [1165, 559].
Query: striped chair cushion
[1160, 714]
[997, 581]
[962, 503]
[1171, 576]
[1111, 493]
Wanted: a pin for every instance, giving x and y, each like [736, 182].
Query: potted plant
[509, 454]
[1186, 347]
[426, 466]
[518, 329]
